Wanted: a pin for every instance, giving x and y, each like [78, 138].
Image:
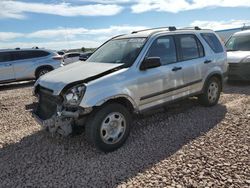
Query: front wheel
[108, 127]
[42, 72]
[212, 91]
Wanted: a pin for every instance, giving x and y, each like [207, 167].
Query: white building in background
[227, 33]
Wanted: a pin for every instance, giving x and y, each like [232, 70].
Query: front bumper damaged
[56, 124]
[54, 115]
[62, 121]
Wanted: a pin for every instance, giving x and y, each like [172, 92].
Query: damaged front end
[58, 114]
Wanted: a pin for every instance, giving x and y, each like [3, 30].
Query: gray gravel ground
[183, 145]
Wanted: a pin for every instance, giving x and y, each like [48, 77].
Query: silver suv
[26, 64]
[130, 74]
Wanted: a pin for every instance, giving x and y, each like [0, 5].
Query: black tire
[94, 124]
[208, 99]
[42, 71]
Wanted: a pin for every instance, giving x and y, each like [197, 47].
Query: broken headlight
[74, 95]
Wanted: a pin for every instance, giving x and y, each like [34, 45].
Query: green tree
[83, 49]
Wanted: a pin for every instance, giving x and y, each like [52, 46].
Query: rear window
[28, 54]
[213, 42]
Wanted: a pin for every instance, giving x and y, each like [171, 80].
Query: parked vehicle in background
[238, 53]
[61, 52]
[70, 58]
[131, 74]
[26, 64]
[84, 56]
[227, 33]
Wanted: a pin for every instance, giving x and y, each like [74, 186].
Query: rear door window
[213, 42]
[189, 47]
[40, 53]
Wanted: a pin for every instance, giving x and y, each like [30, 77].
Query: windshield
[120, 51]
[238, 43]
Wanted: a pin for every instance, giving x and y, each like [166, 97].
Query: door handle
[7, 65]
[207, 61]
[176, 68]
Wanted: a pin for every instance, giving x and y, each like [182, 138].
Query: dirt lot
[184, 145]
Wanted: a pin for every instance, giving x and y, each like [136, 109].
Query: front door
[156, 84]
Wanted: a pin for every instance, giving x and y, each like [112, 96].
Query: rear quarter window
[212, 40]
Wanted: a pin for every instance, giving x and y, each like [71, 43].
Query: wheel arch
[217, 75]
[43, 67]
[120, 99]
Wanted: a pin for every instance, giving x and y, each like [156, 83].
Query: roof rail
[170, 28]
[116, 37]
[190, 28]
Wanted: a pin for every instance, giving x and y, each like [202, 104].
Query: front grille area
[239, 71]
[47, 104]
[234, 67]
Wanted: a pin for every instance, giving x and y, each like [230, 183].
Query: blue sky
[64, 24]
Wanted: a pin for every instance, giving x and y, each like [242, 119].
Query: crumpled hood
[237, 56]
[56, 80]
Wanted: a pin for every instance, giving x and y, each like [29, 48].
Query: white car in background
[70, 58]
[238, 55]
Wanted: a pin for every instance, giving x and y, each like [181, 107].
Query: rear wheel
[42, 71]
[108, 128]
[212, 91]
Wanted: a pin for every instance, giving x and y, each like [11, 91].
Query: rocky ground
[183, 145]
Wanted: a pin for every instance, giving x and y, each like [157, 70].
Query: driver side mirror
[150, 63]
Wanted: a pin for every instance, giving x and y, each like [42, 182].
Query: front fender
[96, 98]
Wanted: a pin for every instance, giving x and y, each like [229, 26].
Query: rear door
[191, 62]
[6, 67]
[217, 54]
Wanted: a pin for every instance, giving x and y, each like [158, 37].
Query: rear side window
[40, 53]
[213, 42]
[189, 47]
[5, 56]
[164, 48]
[28, 54]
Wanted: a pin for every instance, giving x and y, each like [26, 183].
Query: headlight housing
[246, 60]
[74, 95]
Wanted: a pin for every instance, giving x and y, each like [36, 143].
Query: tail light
[59, 58]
